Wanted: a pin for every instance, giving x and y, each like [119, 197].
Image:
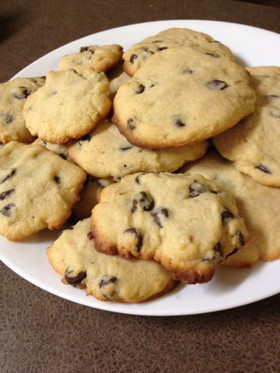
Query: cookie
[137, 55]
[185, 222]
[258, 204]
[105, 277]
[253, 144]
[68, 106]
[106, 153]
[99, 58]
[117, 77]
[13, 95]
[89, 197]
[181, 96]
[37, 189]
[59, 149]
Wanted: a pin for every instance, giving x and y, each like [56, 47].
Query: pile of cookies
[161, 163]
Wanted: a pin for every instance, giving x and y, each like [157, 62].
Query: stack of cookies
[162, 163]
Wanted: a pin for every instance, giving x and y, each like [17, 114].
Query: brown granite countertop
[40, 332]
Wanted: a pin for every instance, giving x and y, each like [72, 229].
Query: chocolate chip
[131, 124]
[125, 148]
[138, 236]
[240, 237]
[90, 236]
[179, 123]
[138, 180]
[232, 253]
[216, 255]
[212, 55]
[133, 57]
[140, 89]
[6, 194]
[111, 280]
[216, 85]
[86, 138]
[226, 214]
[263, 168]
[188, 72]
[272, 97]
[218, 249]
[76, 280]
[161, 49]
[12, 173]
[159, 216]
[8, 118]
[142, 200]
[57, 179]
[6, 211]
[86, 49]
[196, 189]
[21, 93]
[275, 112]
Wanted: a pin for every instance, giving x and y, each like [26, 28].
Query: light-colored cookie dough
[99, 58]
[37, 189]
[89, 197]
[182, 95]
[68, 106]
[258, 204]
[13, 95]
[106, 153]
[107, 278]
[59, 149]
[117, 77]
[184, 222]
[138, 54]
[253, 145]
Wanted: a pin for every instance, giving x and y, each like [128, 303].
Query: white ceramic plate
[230, 287]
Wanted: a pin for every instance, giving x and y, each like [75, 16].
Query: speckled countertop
[40, 332]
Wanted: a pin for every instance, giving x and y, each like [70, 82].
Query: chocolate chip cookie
[138, 54]
[96, 57]
[185, 222]
[37, 189]
[69, 105]
[107, 278]
[181, 96]
[257, 203]
[106, 153]
[13, 95]
[253, 145]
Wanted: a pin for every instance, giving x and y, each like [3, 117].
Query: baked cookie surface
[89, 197]
[99, 58]
[182, 95]
[137, 55]
[184, 222]
[106, 153]
[13, 95]
[253, 145]
[258, 205]
[59, 149]
[68, 106]
[106, 277]
[117, 76]
[37, 189]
